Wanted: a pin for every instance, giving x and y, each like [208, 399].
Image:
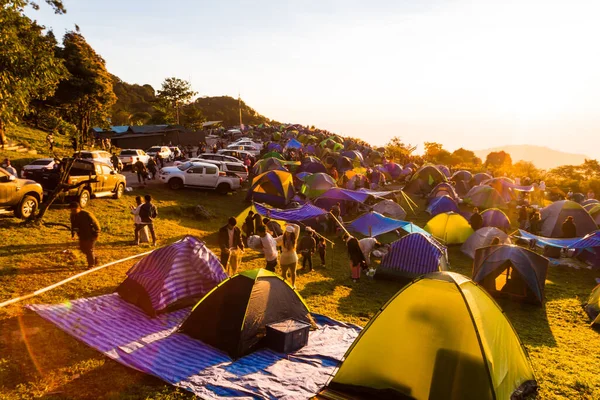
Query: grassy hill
[33, 139]
[541, 156]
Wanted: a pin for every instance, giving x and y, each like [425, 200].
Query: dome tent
[450, 228]
[496, 218]
[275, 188]
[592, 307]
[413, 255]
[484, 197]
[317, 184]
[555, 214]
[233, 316]
[172, 277]
[482, 238]
[511, 271]
[390, 208]
[440, 337]
[442, 204]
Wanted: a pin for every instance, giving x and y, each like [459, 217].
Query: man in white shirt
[269, 246]
[367, 245]
[9, 168]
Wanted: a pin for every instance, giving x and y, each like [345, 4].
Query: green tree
[87, 95]
[526, 169]
[192, 117]
[28, 67]
[398, 151]
[498, 161]
[465, 157]
[176, 92]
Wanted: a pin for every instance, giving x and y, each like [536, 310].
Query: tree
[175, 92]
[465, 157]
[526, 169]
[192, 117]
[398, 151]
[87, 95]
[498, 161]
[29, 68]
[436, 154]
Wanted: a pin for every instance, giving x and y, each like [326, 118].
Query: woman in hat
[289, 259]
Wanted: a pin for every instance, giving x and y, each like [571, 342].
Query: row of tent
[442, 334]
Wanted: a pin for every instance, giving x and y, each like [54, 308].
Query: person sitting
[569, 230]
[534, 222]
[476, 220]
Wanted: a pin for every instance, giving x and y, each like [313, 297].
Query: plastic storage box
[287, 336]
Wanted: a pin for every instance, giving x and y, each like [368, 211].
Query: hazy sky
[474, 73]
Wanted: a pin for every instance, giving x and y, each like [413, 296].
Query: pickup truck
[106, 182]
[21, 196]
[201, 175]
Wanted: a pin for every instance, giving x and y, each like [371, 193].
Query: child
[321, 246]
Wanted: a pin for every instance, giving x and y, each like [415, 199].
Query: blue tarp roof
[374, 224]
[307, 211]
[345, 194]
[590, 241]
[293, 144]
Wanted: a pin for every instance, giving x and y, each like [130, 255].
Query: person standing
[258, 222]
[160, 160]
[534, 222]
[9, 168]
[50, 140]
[87, 228]
[230, 237]
[289, 259]
[140, 169]
[273, 227]
[148, 213]
[356, 256]
[307, 248]
[569, 230]
[476, 220]
[152, 168]
[321, 248]
[114, 159]
[336, 213]
[249, 224]
[523, 217]
[269, 247]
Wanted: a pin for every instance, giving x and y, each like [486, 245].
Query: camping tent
[275, 188]
[445, 170]
[482, 238]
[451, 228]
[233, 316]
[413, 255]
[317, 184]
[555, 214]
[390, 208]
[267, 164]
[485, 197]
[511, 271]
[497, 218]
[443, 189]
[443, 204]
[312, 165]
[480, 177]
[374, 224]
[172, 277]
[424, 180]
[462, 175]
[441, 337]
[592, 307]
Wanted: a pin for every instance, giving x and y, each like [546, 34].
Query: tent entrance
[509, 282]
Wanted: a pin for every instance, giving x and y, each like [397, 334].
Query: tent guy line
[79, 275]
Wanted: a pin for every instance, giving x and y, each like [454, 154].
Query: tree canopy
[174, 93]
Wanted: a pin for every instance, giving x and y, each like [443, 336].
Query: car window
[236, 168]
[106, 170]
[211, 170]
[41, 162]
[195, 170]
[128, 153]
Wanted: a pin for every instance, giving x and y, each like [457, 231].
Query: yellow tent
[451, 228]
[242, 217]
[592, 307]
[441, 337]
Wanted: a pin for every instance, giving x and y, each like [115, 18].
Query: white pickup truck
[200, 175]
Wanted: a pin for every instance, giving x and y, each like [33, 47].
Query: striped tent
[413, 255]
[172, 277]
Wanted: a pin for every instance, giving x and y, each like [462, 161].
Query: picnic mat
[126, 334]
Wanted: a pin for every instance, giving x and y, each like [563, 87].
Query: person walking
[356, 256]
[230, 238]
[307, 248]
[476, 220]
[569, 230]
[114, 159]
[159, 160]
[269, 247]
[289, 259]
[140, 169]
[148, 213]
[152, 168]
[321, 248]
[137, 221]
[87, 228]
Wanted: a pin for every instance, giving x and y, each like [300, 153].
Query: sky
[474, 74]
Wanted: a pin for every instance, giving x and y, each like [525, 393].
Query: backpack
[148, 212]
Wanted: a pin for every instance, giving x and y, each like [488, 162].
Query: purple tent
[494, 217]
[274, 147]
[440, 205]
[394, 170]
[172, 277]
[312, 165]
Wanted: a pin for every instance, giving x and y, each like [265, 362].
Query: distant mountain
[542, 157]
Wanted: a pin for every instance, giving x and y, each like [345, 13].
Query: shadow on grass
[530, 322]
[32, 248]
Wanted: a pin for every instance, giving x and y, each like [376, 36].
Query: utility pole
[240, 108]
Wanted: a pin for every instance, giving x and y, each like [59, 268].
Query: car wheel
[84, 198]
[119, 192]
[175, 183]
[223, 188]
[27, 207]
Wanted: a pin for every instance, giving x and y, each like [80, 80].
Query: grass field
[39, 360]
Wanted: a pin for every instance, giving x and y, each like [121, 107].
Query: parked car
[36, 167]
[247, 142]
[97, 155]
[200, 175]
[108, 183]
[21, 196]
[163, 152]
[219, 157]
[238, 154]
[250, 149]
[128, 156]
[176, 153]
[237, 168]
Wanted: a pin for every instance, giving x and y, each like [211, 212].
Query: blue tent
[440, 205]
[413, 255]
[293, 144]
[589, 241]
[374, 224]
